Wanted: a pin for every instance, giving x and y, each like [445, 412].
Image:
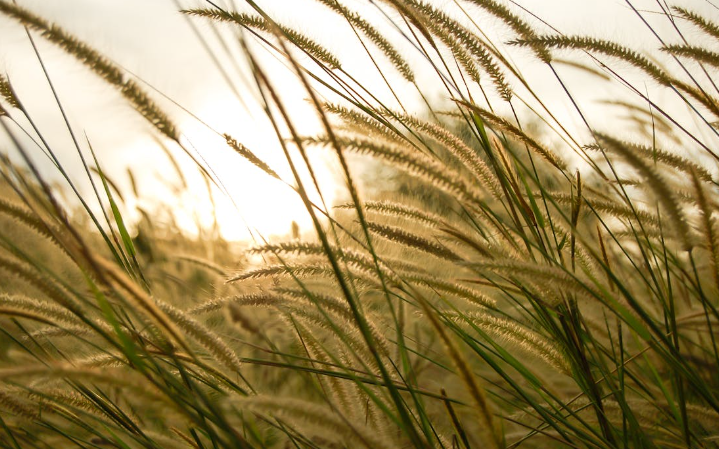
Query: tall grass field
[505, 263]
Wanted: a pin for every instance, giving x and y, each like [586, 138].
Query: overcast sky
[152, 40]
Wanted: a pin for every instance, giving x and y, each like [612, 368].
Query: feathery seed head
[7, 93]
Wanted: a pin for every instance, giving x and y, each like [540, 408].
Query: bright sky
[152, 40]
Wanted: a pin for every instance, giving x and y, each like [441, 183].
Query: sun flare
[247, 203]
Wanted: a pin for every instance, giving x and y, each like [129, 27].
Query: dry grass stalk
[330, 425]
[142, 301]
[519, 26]
[356, 20]
[253, 22]
[453, 288]
[7, 93]
[702, 23]
[654, 154]
[44, 311]
[519, 335]
[208, 339]
[250, 156]
[709, 228]
[464, 154]
[465, 45]
[420, 165]
[398, 235]
[516, 133]
[415, 214]
[98, 64]
[488, 427]
[665, 196]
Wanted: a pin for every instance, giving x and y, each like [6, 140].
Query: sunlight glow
[247, 200]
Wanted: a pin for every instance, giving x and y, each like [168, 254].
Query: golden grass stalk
[705, 25]
[605, 258]
[586, 260]
[458, 38]
[608, 48]
[698, 54]
[332, 426]
[699, 94]
[463, 153]
[338, 308]
[659, 155]
[612, 208]
[89, 56]
[375, 36]
[208, 339]
[52, 332]
[142, 301]
[453, 288]
[661, 189]
[705, 416]
[8, 94]
[543, 274]
[409, 274]
[106, 360]
[402, 264]
[516, 133]
[65, 402]
[385, 207]
[357, 121]
[409, 239]
[326, 301]
[521, 336]
[519, 26]
[287, 298]
[708, 227]
[305, 271]
[31, 220]
[52, 290]
[241, 300]
[334, 389]
[253, 22]
[354, 258]
[12, 403]
[437, 174]
[17, 312]
[651, 415]
[92, 59]
[459, 52]
[639, 61]
[484, 248]
[505, 158]
[576, 208]
[300, 271]
[488, 427]
[43, 311]
[249, 155]
[302, 249]
[116, 377]
[342, 336]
